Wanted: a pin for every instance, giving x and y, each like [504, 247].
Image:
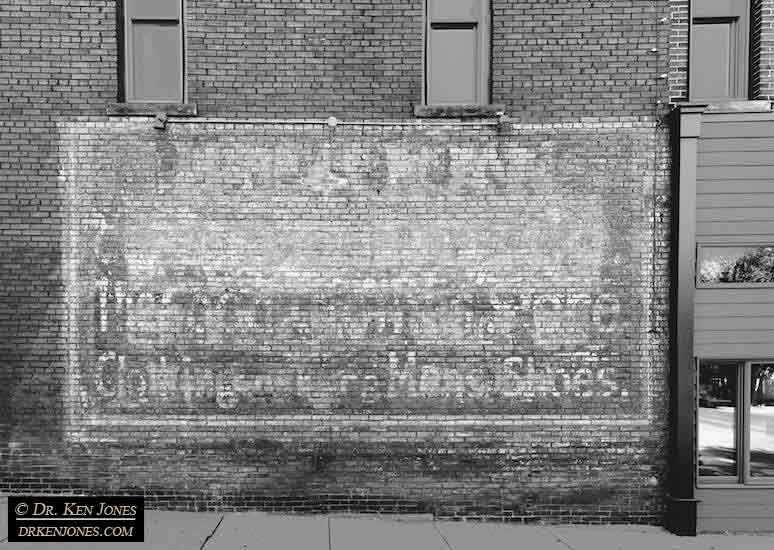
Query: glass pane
[717, 419]
[153, 9]
[453, 65]
[736, 264]
[454, 10]
[712, 63]
[156, 62]
[762, 420]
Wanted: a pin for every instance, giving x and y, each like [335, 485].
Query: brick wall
[559, 60]
[49, 70]
[569, 60]
[305, 59]
[766, 60]
[762, 51]
[439, 318]
[349, 59]
[678, 50]
[448, 318]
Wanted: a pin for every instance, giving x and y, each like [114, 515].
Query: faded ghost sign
[220, 276]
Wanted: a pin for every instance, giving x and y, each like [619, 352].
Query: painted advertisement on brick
[225, 271]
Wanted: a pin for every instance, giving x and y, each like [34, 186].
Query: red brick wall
[305, 58]
[678, 50]
[438, 318]
[762, 51]
[58, 60]
[445, 318]
[579, 59]
[358, 60]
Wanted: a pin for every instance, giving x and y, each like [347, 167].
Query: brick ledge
[151, 109]
[459, 111]
[740, 106]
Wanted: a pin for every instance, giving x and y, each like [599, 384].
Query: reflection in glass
[736, 264]
[717, 419]
[762, 420]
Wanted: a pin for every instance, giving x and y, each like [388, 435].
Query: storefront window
[762, 420]
[717, 434]
[735, 422]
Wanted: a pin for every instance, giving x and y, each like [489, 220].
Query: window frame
[743, 55]
[124, 52]
[742, 479]
[484, 40]
[717, 244]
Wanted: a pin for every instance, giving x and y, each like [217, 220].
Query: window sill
[750, 285]
[758, 484]
[459, 111]
[151, 109]
[727, 106]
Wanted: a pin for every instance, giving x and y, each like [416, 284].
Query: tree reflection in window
[762, 420]
[736, 264]
[717, 430]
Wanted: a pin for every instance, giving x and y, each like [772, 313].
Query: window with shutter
[719, 50]
[153, 38]
[457, 52]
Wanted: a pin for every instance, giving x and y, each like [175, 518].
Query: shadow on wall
[389, 478]
[32, 346]
[6, 412]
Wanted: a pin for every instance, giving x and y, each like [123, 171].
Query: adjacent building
[474, 258]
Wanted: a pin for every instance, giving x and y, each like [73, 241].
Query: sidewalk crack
[207, 539]
[438, 530]
[558, 538]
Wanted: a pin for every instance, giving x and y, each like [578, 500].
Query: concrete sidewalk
[260, 531]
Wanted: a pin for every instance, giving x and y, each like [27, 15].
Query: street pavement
[262, 531]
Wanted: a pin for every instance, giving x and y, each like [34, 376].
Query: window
[719, 50]
[736, 264]
[457, 52]
[153, 48]
[735, 416]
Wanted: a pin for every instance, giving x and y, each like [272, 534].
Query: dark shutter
[718, 63]
[457, 52]
[154, 50]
